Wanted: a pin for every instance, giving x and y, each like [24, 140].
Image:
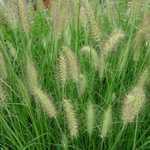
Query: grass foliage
[75, 75]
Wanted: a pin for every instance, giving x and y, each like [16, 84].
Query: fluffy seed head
[60, 16]
[62, 69]
[40, 97]
[9, 13]
[113, 40]
[3, 70]
[71, 118]
[45, 102]
[72, 64]
[107, 122]
[31, 74]
[95, 31]
[23, 15]
[134, 101]
[90, 118]
[132, 105]
[134, 8]
[2, 96]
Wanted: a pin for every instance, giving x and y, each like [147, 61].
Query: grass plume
[134, 101]
[107, 122]
[35, 89]
[71, 118]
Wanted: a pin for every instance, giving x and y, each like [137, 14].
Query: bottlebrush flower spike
[31, 74]
[95, 31]
[90, 118]
[23, 15]
[134, 100]
[72, 63]
[3, 96]
[107, 122]
[62, 73]
[132, 105]
[35, 89]
[71, 118]
[9, 13]
[113, 40]
[45, 102]
[3, 70]
[60, 16]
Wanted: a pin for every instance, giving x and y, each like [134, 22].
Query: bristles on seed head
[113, 40]
[60, 16]
[132, 105]
[31, 73]
[107, 122]
[23, 15]
[71, 118]
[3, 96]
[36, 91]
[135, 100]
[9, 13]
[62, 69]
[72, 63]
[90, 118]
[95, 31]
[3, 70]
[45, 102]
[134, 7]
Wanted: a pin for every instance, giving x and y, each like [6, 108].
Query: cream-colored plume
[107, 122]
[61, 15]
[32, 76]
[22, 7]
[45, 101]
[110, 44]
[72, 64]
[40, 97]
[3, 70]
[134, 101]
[95, 30]
[3, 96]
[62, 73]
[9, 13]
[135, 8]
[132, 105]
[90, 118]
[71, 117]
